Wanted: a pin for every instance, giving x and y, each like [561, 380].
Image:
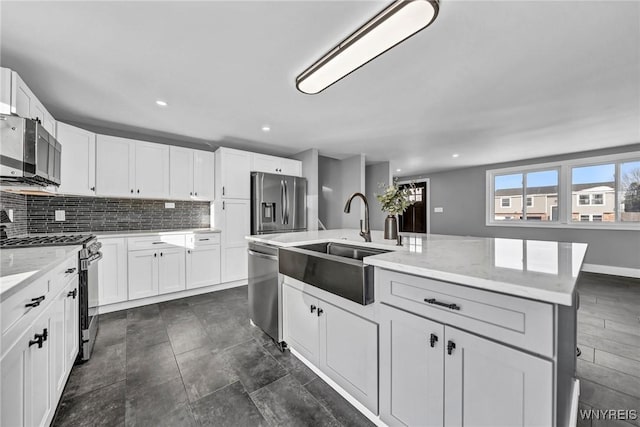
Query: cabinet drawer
[15, 307]
[204, 239]
[60, 276]
[156, 242]
[517, 321]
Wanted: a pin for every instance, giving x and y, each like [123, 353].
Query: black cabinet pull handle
[160, 253]
[223, 190]
[35, 301]
[433, 339]
[93, 189]
[191, 193]
[39, 338]
[320, 311]
[132, 191]
[72, 293]
[70, 270]
[196, 193]
[450, 347]
[155, 255]
[188, 251]
[442, 304]
[313, 308]
[138, 191]
[223, 204]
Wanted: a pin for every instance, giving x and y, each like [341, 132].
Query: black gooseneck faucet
[366, 231]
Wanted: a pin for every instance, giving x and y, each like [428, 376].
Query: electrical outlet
[438, 210]
[60, 216]
[169, 205]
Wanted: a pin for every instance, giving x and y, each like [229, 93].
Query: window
[593, 192]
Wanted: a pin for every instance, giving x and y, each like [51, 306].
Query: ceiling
[490, 80]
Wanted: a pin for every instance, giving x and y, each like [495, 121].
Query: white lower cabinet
[156, 271]
[436, 375]
[203, 266]
[112, 271]
[341, 344]
[233, 217]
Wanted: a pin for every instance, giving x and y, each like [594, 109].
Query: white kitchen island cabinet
[341, 344]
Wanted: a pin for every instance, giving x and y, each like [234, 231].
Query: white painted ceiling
[491, 80]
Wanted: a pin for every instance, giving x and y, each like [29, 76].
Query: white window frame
[592, 198]
[564, 193]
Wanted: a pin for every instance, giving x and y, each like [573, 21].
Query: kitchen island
[463, 330]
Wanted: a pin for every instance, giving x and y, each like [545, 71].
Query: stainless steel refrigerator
[278, 203]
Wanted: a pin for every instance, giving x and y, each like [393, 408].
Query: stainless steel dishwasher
[264, 290]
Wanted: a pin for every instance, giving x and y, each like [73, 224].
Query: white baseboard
[168, 297]
[612, 270]
[342, 392]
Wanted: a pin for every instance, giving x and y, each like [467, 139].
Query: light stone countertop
[539, 270]
[139, 233]
[21, 266]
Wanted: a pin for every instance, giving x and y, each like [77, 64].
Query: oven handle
[96, 257]
[84, 263]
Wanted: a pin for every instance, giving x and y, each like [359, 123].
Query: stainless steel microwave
[28, 153]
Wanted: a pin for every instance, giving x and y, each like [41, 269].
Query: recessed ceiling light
[398, 170]
[266, 128]
[455, 155]
[396, 23]
[161, 103]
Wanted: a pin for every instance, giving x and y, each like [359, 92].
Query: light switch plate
[60, 216]
[438, 210]
[169, 205]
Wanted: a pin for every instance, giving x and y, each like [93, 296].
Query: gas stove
[39, 241]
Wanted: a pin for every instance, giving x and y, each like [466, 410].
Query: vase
[390, 227]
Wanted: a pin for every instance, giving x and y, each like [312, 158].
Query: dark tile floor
[196, 362]
[609, 338]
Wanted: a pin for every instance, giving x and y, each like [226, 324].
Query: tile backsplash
[84, 214]
[17, 203]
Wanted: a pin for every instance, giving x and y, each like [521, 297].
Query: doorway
[415, 218]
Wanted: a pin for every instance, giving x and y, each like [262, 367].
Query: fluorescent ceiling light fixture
[161, 103]
[396, 23]
[266, 128]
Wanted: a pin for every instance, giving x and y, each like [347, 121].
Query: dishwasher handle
[261, 255]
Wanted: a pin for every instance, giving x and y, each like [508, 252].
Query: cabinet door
[300, 322]
[114, 157]
[112, 271]
[49, 123]
[235, 224]
[71, 323]
[143, 273]
[203, 174]
[151, 170]
[264, 163]
[56, 337]
[411, 369]
[78, 161]
[171, 276]
[203, 266]
[13, 374]
[349, 353]
[38, 373]
[291, 167]
[487, 383]
[235, 177]
[180, 173]
[24, 98]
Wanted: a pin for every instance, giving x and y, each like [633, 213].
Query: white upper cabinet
[181, 179]
[203, 174]
[191, 174]
[129, 168]
[151, 169]
[114, 158]
[232, 171]
[17, 98]
[273, 164]
[78, 160]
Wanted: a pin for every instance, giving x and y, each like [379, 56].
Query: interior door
[414, 220]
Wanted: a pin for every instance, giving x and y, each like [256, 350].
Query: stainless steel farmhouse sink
[333, 267]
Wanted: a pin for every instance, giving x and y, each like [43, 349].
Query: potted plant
[395, 201]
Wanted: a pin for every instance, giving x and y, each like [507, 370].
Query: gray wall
[375, 175]
[337, 180]
[309, 161]
[462, 194]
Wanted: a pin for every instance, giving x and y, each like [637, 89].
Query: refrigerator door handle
[282, 199]
[286, 198]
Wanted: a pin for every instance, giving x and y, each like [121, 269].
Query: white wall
[377, 174]
[309, 161]
[337, 180]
